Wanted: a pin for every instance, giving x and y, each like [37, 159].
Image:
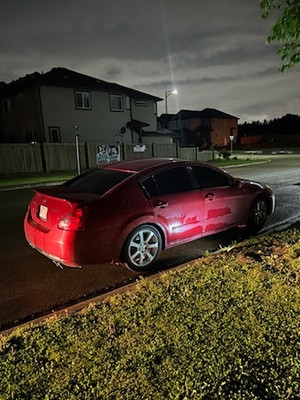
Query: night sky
[214, 52]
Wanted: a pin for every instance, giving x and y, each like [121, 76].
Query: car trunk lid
[50, 205]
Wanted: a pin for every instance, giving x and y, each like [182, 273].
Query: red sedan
[129, 211]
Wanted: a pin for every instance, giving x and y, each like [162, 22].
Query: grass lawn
[225, 327]
[35, 178]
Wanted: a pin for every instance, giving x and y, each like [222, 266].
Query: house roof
[207, 113]
[167, 116]
[64, 77]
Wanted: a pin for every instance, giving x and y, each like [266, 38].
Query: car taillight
[74, 220]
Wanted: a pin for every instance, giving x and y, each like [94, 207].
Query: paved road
[31, 284]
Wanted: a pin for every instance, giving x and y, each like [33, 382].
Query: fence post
[86, 155]
[43, 156]
[153, 150]
[123, 149]
[177, 150]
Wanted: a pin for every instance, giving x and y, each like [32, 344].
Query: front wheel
[142, 248]
[258, 215]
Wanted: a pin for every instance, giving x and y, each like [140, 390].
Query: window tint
[173, 180]
[97, 181]
[208, 178]
[150, 187]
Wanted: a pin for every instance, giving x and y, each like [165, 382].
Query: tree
[286, 29]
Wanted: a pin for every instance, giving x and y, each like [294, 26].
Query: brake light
[74, 220]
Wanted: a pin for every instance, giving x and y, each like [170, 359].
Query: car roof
[140, 165]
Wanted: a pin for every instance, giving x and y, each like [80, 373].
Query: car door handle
[210, 196]
[160, 203]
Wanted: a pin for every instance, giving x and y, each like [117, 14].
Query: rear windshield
[97, 181]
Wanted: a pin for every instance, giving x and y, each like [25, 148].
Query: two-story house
[201, 128]
[54, 106]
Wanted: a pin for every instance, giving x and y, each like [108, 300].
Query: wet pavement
[30, 284]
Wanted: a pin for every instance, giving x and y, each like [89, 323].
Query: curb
[246, 165]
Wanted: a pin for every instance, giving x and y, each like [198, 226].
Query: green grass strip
[226, 327]
[34, 178]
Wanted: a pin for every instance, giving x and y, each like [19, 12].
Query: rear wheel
[258, 215]
[142, 248]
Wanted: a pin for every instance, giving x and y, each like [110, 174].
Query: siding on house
[201, 128]
[43, 108]
[222, 129]
[23, 118]
[96, 124]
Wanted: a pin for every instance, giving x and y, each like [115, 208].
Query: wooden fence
[46, 157]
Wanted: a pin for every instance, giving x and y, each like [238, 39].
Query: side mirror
[238, 183]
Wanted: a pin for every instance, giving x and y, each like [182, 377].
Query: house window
[128, 103]
[116, 102]
[83, 100]
[141, 103]
[155, 108]
[54, 134]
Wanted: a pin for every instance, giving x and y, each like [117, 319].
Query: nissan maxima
[130, 211]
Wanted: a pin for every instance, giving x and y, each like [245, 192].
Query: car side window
[149, 186]
[206, 177]
[173, 180]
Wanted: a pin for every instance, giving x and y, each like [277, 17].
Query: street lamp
[167, 94]
[77, 130]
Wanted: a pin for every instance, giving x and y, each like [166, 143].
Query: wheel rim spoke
[150, 236]
[153, 245]
[135, 255]
[141, 237]
[150, 256]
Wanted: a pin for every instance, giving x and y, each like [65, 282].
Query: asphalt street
[30, 284]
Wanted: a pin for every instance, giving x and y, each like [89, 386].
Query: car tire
[142, 248]
[258, 215]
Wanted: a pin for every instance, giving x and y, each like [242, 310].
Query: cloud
[214, 52]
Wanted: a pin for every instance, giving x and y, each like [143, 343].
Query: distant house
[200, 128]
[47, 107]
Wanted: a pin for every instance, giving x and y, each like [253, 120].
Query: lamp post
[167, 94]
[77, 148]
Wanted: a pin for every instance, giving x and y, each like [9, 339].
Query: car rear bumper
[54, 244]
[70, 248]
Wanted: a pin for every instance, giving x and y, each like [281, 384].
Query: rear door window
[97, 181]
